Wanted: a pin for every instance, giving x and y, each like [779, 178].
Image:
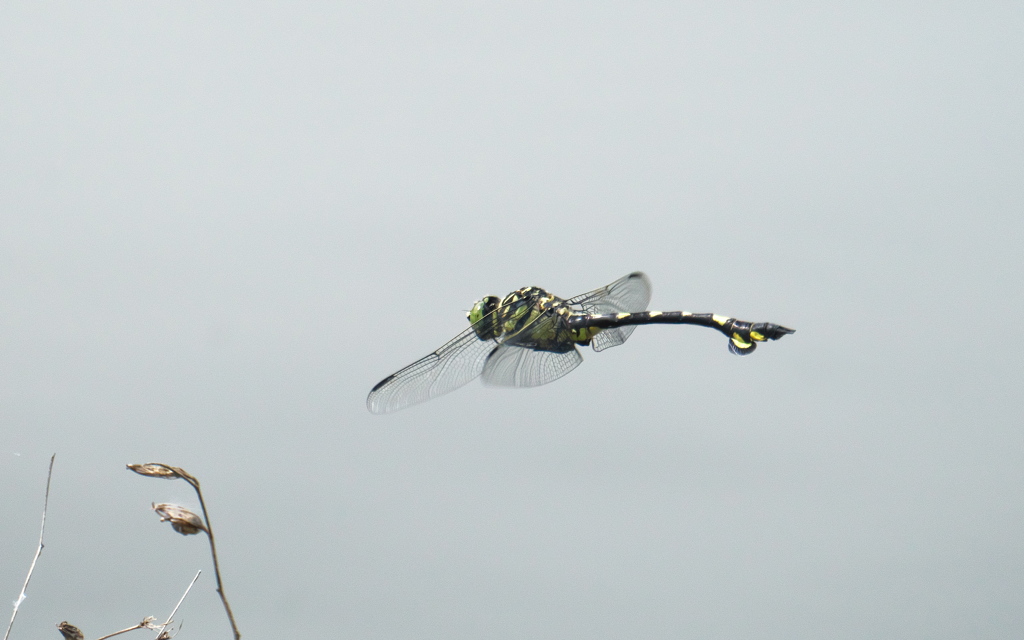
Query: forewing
[450, 367]
[511, 366]
[464, 357]
[629, 294]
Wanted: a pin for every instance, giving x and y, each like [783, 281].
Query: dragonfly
[531, 337]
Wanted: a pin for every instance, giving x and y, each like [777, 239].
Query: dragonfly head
[481, 309]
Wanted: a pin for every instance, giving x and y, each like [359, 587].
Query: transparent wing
[453, 365]
[628, 294]
[511, 366]
[537, 354]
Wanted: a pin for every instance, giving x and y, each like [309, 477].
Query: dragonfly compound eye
[482, 309]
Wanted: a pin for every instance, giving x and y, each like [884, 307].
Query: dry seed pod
[182, 520]
[154, 470]
[160, 470]
[70, 631]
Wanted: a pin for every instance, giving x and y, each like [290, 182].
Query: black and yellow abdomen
[742, 335]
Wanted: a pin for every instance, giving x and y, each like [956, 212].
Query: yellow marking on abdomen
[757, 336]
[620, 316]
[654, 314]
[721, 320]
[739, 342]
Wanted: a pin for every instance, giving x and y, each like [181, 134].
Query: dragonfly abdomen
[742, 335]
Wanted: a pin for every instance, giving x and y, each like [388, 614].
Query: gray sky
[221, 225]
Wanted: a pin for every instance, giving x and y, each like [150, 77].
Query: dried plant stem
[39, 550]
[186, 522]
[145, 624]
[117, 633]
[213, 551]
[170, 618]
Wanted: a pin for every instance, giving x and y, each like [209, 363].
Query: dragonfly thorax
[493, 317]
[499, 319]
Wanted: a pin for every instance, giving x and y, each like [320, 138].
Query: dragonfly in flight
[530, 337]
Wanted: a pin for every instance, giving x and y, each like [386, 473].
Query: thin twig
[145, 624]
[117, 633]
[39, 550]
[170, 618]
[213, 552]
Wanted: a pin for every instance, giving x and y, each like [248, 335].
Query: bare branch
[39, 550]
[170, 618]
[216, 565]
[147, 623]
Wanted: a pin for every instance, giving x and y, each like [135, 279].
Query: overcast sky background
[221, 225]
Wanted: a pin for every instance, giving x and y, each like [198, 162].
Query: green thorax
[532, 318]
